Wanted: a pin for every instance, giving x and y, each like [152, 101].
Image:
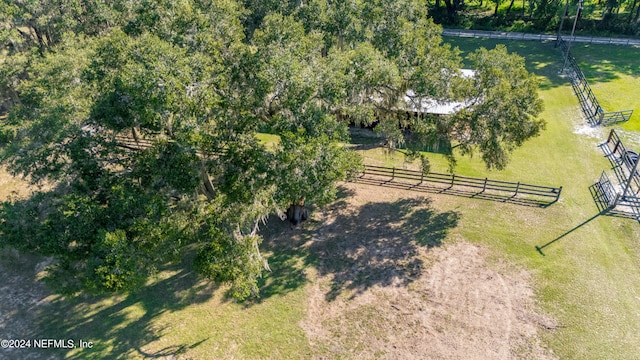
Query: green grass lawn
[588, 278]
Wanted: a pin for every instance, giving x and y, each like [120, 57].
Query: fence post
[615, 202]
[601, 114]
[517, 189]
[610, 135]
[558, 195]
[453, 179]
[615, 148]
[421, 177]
[393, 173]
[484, 187]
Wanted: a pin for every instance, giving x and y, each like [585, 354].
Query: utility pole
[564, 14]
[566, 56]
[631, 175]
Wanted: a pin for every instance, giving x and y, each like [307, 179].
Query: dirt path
[457, 305]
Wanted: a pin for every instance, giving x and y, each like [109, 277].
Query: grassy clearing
[587, 279]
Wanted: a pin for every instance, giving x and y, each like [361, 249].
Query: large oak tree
[147, 124]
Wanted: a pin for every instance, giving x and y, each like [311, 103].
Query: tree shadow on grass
[357, 247]
[118, 326]
[285, 259]
[377, 244]
[605, 63]
[287, 252]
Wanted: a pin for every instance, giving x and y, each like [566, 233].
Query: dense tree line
[608, 17]
[197, 81]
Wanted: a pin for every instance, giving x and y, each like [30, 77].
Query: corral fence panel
[588, 102]
[447, 181]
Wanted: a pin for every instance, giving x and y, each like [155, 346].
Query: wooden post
[484, 187]
[517, 189]
[421, 177]
[453, 179]
[393, 173]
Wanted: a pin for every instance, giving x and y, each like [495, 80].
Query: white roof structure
[431, 106]
[427, 105]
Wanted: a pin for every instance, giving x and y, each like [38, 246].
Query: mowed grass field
[587, 279]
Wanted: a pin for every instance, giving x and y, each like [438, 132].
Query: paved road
[538, 37]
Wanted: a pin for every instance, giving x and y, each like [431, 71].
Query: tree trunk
[635, 2]
[297, 213]
[510, 6]
[15, 99]
[41, 44]
[11, 98]
[495, 10]
[206, 185]
[39, 37]
[450, 10]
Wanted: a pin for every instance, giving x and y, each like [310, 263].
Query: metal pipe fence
[449, 181]
[591, 108]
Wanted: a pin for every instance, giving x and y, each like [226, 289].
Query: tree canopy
[145, 116]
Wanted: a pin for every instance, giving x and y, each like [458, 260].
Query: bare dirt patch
[595, 132]
[22, 298]
[392, 284]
